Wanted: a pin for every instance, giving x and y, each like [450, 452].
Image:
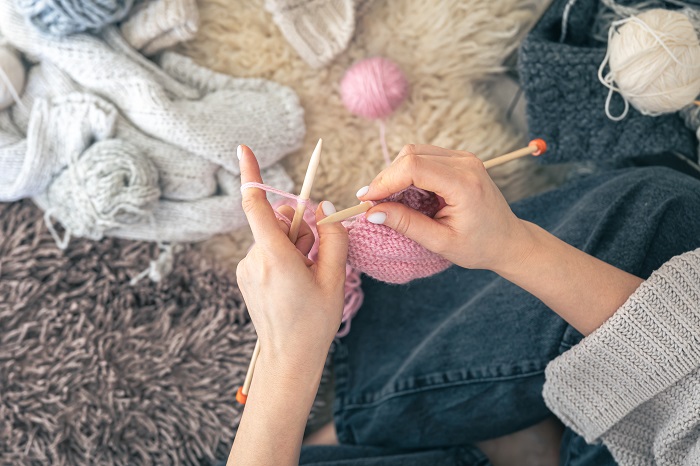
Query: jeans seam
[353, 405]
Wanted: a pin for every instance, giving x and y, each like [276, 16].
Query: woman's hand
[295, 304]
[475, 229]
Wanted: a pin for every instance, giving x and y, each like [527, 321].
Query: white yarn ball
[646, 74]
[15, 73]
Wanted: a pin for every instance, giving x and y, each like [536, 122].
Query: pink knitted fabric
[385, 255]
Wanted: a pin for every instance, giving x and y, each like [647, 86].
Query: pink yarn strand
[382, 140]
[279, 192]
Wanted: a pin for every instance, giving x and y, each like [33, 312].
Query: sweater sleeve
[649, 345]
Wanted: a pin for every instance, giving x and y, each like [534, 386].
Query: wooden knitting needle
[536, 147]
[304, 195]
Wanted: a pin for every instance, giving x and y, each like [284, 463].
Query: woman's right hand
[475, 229]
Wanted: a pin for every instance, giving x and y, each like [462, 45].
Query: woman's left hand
[295, 304]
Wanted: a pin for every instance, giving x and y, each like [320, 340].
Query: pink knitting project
[384, 254]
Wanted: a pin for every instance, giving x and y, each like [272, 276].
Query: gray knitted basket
[566, 102]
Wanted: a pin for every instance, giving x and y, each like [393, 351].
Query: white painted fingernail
[328, 208]
[362, 191]
[378, 218]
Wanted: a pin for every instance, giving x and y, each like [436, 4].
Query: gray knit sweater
[634, 383]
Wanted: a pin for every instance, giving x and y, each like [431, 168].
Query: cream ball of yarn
[655, 61]
[12, 73]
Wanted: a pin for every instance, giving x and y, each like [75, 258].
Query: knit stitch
[206, 113]
[198, 198]
[633, 383]
[154, 25]
[566, 103]
[388, 256]
[64, 17]
[317, 29]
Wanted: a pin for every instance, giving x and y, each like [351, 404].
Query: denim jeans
[431, 367]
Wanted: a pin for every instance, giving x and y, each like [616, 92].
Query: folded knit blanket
[154, 25]
[205, 113]
[92, 170]
[566, 102]
[109, 143]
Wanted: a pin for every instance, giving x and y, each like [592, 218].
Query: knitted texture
[633, 383]
[388, 256]
[154, 25]
[98, 371]
[566, 102]
[198, 198]
[12, 76]
[691, 116]
[64, 17]
[317, 29]
[205, 113]
[182, 119]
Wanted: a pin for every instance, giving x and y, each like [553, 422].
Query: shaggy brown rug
[96, 371]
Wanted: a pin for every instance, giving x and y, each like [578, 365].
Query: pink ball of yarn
[373, 88]
[385, 255]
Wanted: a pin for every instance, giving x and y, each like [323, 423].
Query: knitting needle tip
[347, 213]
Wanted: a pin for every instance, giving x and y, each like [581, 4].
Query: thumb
[332, 245]
[422, 229]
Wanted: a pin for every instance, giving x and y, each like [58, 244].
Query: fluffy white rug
[450, 50]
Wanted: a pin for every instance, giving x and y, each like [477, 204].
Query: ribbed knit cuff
[648, 345]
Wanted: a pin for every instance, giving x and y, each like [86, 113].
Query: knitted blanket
[109, 143]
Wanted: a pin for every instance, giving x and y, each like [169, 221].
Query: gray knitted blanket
[109, 143]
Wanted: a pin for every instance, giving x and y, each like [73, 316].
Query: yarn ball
[353, 289]
[12, 79]
[388, 256]
[112, 184]
[655, 61]
[64, 17]
[373, 88]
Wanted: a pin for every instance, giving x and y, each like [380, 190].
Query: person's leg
[356, 455]
[575, 451]
[460, 357]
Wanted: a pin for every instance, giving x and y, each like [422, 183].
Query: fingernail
[239, 152]
[377, 218]
[328, 208]
[362, 191]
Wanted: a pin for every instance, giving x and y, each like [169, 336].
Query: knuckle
[248, 203]
[411, 161]
[403, 224]
[408, 149]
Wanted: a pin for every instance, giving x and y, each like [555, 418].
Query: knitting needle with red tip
[304, 195]
[536, 147]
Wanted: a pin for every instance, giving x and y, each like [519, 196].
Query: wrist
[290, 360]
[522, 246]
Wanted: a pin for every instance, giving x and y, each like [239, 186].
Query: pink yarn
[373, 88]
[384, 254]
[353, 290]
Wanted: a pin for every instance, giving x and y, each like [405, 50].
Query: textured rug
[96, 371]
[451, 51]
